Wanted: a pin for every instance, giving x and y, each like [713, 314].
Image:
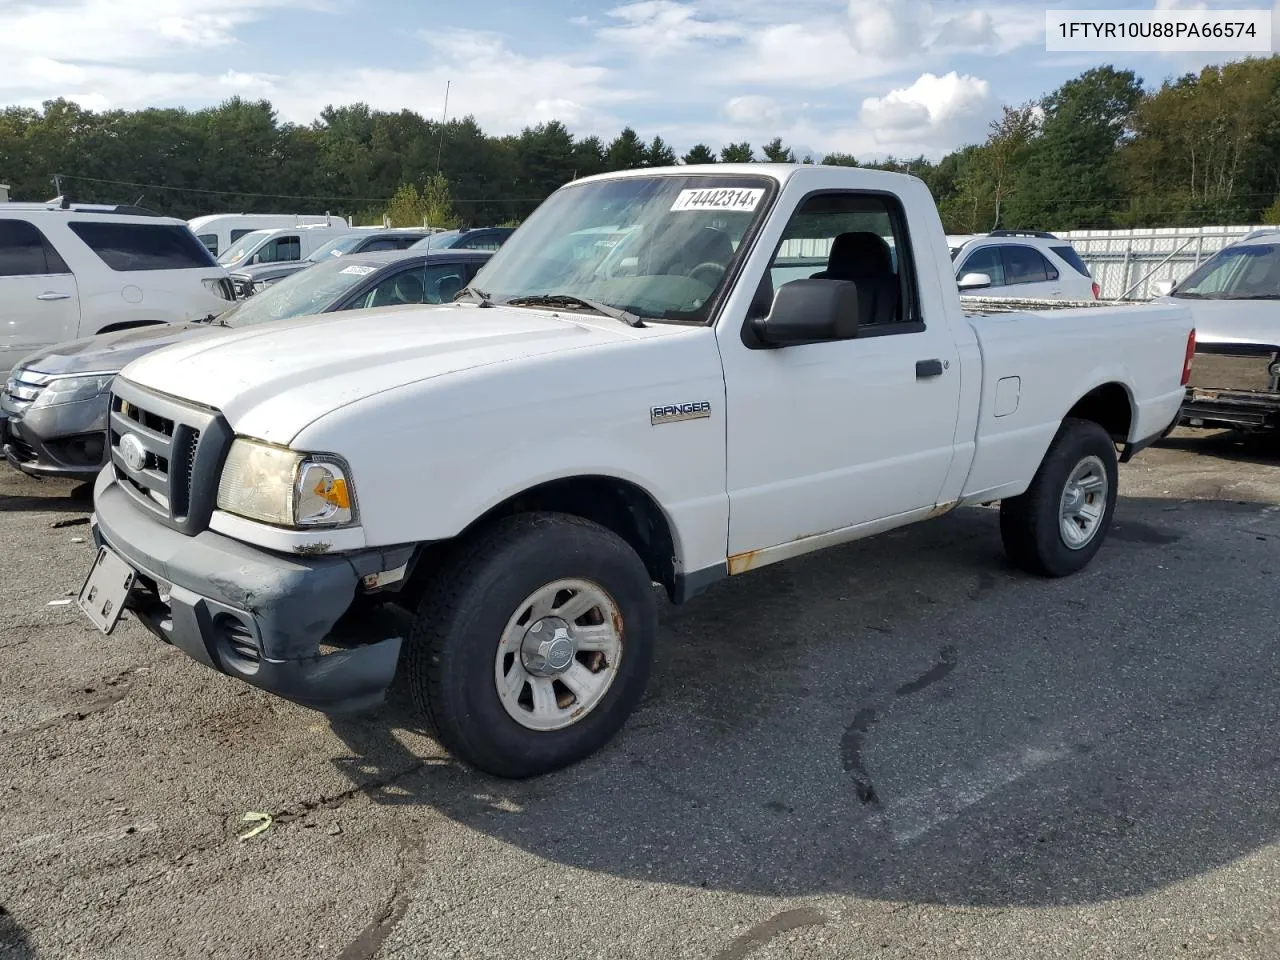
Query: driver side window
[435, 283]
[857, 237]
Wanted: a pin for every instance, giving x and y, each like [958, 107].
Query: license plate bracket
[105, 589]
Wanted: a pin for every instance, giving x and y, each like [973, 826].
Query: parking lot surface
[898, 748]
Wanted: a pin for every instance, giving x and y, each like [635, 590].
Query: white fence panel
[1126, 263]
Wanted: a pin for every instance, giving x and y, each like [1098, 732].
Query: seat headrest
[859, 256]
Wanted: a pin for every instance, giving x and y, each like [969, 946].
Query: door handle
[53, 295]
[928, 368]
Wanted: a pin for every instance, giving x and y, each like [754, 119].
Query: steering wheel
[710, 266]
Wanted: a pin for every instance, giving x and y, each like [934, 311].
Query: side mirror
[810, 311]
[1162, 288]
[974, 281]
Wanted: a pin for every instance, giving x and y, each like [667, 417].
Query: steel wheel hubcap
[559, 654]
[1084, 502]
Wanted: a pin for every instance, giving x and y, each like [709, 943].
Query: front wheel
[534, 644]
[1056, 527]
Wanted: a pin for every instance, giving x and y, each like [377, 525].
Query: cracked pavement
[901, 747]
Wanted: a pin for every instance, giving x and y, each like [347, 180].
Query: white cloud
[887, 28]
[663, 27]
[931, 109]
[753, 110]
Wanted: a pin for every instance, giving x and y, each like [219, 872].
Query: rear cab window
[131, 247]
[26, 252]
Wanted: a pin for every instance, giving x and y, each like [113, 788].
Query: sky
[867, 77]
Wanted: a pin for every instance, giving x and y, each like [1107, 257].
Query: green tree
[407, 208]
[699, 153]
[775, 152]
[737, 153]
[840, 160]
[437, 203]
[626, 152]
[659, 154]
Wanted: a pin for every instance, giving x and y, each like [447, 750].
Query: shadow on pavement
[14, 944]
[1232, 445]
[22, 493]
[909, 719]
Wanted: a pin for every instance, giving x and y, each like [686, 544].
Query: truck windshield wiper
[477, 296]
[573, 301]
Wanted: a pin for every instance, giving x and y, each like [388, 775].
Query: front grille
[21, 450]
[24, 386]
[167, 454]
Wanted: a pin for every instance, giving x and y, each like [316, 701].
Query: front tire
[1056, 527]
[534, 644]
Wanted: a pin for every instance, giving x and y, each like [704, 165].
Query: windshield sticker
[358, 270]
[724, 198]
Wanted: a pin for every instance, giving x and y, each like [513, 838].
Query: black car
[53, 410]
[254, 279]
[475, 238]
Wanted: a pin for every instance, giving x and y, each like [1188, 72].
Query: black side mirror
[810, 311]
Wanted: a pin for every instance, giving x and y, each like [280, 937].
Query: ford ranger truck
[665, 376]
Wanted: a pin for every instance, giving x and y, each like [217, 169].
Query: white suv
[72, 271]
[1025, 264]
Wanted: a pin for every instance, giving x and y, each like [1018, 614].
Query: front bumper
[63, 440]
[257, 616]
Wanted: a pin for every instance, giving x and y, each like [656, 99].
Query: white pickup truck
[665, 376]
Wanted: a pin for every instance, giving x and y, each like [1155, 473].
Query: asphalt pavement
[898, 748]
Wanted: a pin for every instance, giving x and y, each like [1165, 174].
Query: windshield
[1243, 272]
[658, 247]
[308, 291]
[336, 248]
[243, 247]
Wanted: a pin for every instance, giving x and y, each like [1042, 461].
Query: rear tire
[1056, 527]
[503, 615]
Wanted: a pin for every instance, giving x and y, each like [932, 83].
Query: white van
[280, 245]
[219, 231]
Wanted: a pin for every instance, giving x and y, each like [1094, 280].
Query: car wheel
[1059, 523]
[533, 645]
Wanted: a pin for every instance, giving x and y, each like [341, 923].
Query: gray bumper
[64, 440]
[250, 614]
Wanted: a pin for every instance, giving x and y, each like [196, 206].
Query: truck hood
[1232, 321]
[271, 380]
[111, 352]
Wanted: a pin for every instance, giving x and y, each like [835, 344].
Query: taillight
[1191, 353]
[1097, 290]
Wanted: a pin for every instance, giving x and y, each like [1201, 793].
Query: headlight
[283, 487]
[71, 389]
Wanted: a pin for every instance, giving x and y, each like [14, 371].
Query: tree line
[1100, 151]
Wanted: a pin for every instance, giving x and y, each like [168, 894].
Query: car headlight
[71, 389]
[286, 488]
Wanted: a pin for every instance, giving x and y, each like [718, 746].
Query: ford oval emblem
[133, 453]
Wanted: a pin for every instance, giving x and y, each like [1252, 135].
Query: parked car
[477, 238]
[218, 231]
[56, 400]
[1235, 380]
[254, 279]
[517, 468]
[279, 245]
[69, 272]
[1023, 264]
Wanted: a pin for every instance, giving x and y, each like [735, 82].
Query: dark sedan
[53, 410]
[259, 276]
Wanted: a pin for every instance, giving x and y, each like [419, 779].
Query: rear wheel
[534, 644]
[1056, 527]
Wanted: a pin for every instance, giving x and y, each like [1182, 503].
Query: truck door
[824, 437]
